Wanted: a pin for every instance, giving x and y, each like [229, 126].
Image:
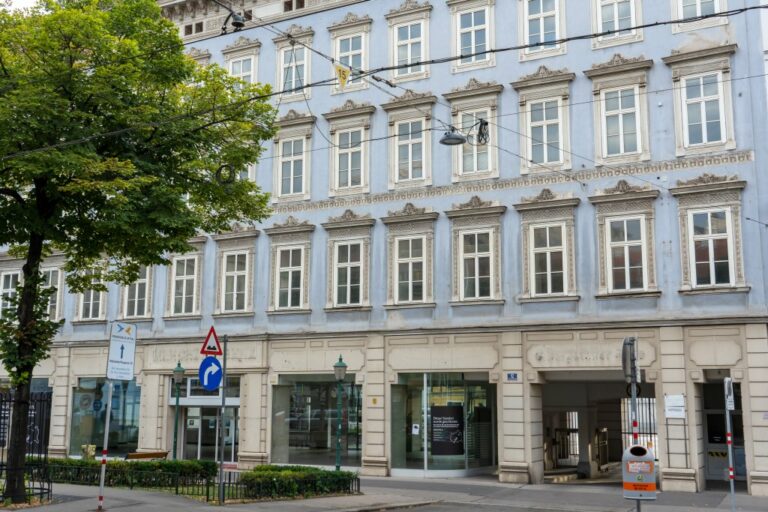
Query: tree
[115, 149]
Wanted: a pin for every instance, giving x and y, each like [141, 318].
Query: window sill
[460, 177]
[298, 311]
[293, 198]
[471, 66]
[344, 192]
[638, 294]
[698, 25]
[135, 319]
[232, 314]
[549, 298]
[419, 75]
[706, 149]
[598, 43]
[89, 321]
[542, 54]
[350, 88]
[411, 305]
[293, 97]
[410, 184]
[195, 316]
[477, 302]
[348, 309]
[714, 289]
[625, 158]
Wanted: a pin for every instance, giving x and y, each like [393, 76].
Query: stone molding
[294, 118]
[351, 20]
[543, 76]
[619, 64]
[707, 183]
[677, 56]
[409, 7]
[236, 233]
[409, 214]
[291, 225]
[294, 32]
[473, 88]
[410, 99]
[350, 109]
[241, 44]
[349, 219]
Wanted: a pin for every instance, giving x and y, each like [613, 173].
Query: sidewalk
[401, 494]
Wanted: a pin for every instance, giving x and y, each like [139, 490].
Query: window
[289, 278]
[410, 151]
[348, 268]
[184, 286]
[193, 28]
[136, 295]
[92, 304]
[702, 111]
[544, 131]
[51, 280]
[626, 253]
[474, 156]
[242, 69]
[687, 9]
[410, 269]
[350, 159]
[548, 257]
[293, 68]
[476, 265]
[616, 15]
[542, 23]
[620, 121]
[409, 48]
[711, 247]
[234, 282]
[473, 35]
[10, 281]
[694, 8]
[350, 53]
[292, 166]
[292, 5]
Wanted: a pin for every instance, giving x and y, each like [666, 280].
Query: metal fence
[37, 480]
[646, 422]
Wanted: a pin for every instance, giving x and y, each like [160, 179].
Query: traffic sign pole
[105, 445]
[223, 417]
[729, 406]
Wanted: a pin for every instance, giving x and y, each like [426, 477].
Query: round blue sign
[210, 373]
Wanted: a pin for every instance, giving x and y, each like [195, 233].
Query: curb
[377, 507]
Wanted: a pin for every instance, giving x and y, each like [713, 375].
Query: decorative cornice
[543, 76]
[197, 53]
[410, 214]
[474, 87]
[294, 118]
[408, 7]
[351, 20]
[623, 191]
[242, 43]
[544, 195]
[349, 219]
[619, 64]
[473, 203]
[707, 183]
[294, 32]
[623, 187]
[678, 56]
[475, 206]
[291, 225]
[409, 99]
[349, 109]
[237, 231]
[546, 199]
[408, 209]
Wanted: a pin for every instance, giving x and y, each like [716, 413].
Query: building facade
[479, 292]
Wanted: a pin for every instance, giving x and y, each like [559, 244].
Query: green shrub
[292, 481]
[155, 473]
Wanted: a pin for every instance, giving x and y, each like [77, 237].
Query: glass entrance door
[201, 437]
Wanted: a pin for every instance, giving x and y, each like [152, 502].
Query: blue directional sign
[210, 373]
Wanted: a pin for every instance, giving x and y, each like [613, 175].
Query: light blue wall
[750, 133]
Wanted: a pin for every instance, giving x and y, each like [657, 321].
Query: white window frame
[424, 140]
[292, 159]
[195, 285]
[544, 124]
[147, 281]
[692, 238]
[347, 150]
[235, 274]
[407, 15]
[423, 259]
[702, 100]
[279, 269]
[609, 244]
[531, 53]
[408, 72]
[302, 39]
[492, 264]
[631, 36]
[95, 296]
[355, 82]
[7, 293]
[677, 14]
[530, 94]
[245, 76]
[621, 112]
[563, 247]
[243, 49]
[291, 127]
[460, 7]
[346, 119]
[470, 131]
[336, 266]
[57, 296]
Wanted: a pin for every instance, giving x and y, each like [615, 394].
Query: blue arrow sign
[210, 373]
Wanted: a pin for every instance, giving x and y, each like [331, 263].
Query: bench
[146, 455]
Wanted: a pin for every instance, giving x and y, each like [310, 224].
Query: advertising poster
[447, 429]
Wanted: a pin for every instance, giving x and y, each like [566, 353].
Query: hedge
[293, 481]
[156, 473]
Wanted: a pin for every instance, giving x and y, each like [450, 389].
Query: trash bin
[639, 473]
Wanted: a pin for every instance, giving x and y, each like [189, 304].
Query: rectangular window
[234, 281]
[702, 109]
[291, 167]
[710, 231]
[693, 8]
[293, 68]
[473, 35]
[548, 257]
[350, 159]
[10, 281]
[620, 121]
[474, 156]
[292, 5]
[242, 69]
[545, 131]
[193, 28]
[51, 280]
[476, 265]
[410, 151]
[350, 54]
[616, 16]
[542, 23]
[349, 270]
[136, 295]
[410, 262]
[289, 277]
[408, 48]
[626, 253]
[184, 284]
[91, 304]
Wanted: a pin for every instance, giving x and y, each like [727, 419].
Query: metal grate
[646, 422]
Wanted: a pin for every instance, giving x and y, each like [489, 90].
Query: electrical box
[639, 473]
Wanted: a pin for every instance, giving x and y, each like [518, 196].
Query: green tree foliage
[115, 149]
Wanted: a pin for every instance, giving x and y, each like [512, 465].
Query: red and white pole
[104, 446]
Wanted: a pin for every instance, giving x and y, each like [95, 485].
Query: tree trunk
[17, 449]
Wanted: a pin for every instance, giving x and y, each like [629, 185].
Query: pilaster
[756, 419]
[375, 430]
[60, 403]
[513, 466]
[153, 428]
[253, 409]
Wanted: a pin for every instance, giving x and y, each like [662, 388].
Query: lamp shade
[340, 369]
[238, 21]
[452, 138]
[178, 374]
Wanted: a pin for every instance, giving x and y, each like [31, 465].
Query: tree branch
[12, 193]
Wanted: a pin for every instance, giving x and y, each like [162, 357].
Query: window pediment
[544, 77]
[350, 109]
[289, 226]
[243, 44]
[349, 219]
[409, 7]
[294, 32]
[619, 65]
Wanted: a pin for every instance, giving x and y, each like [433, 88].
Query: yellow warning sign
[342, 73]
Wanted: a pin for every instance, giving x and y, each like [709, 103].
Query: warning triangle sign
[211, 345]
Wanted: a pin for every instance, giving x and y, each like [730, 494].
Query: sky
[20, 4]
